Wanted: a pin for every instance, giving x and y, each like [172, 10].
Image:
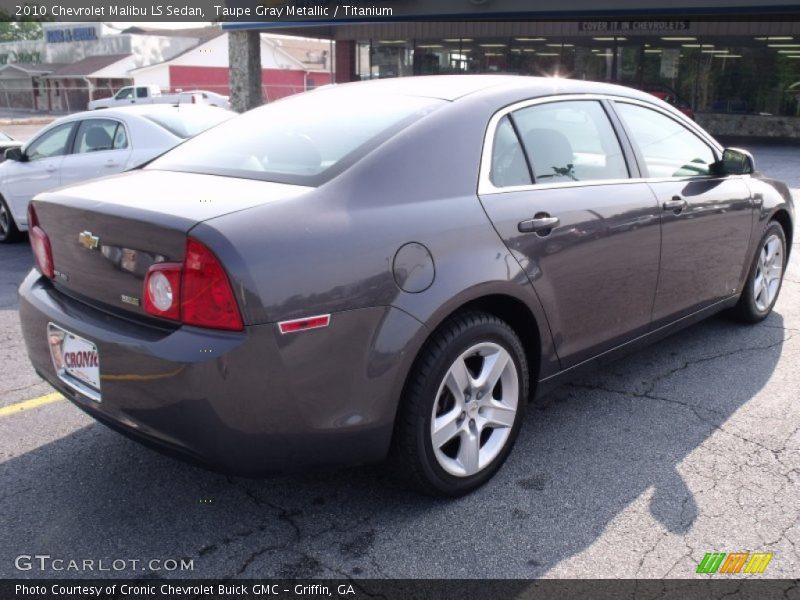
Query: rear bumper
[248, 403]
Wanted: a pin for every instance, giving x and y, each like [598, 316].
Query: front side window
[51, 143]
[570, 141]
[669, 149]
[95, 135]
[124, 93]
[304, 139]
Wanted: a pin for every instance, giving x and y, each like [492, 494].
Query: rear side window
[95, 135]
[570, 141]
[304, 139]
[509, 166]
[141, 92]
[188, 123]
[669, 149]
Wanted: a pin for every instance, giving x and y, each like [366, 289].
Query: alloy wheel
[769, 270]
[475, 409]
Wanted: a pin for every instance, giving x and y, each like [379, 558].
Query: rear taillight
[40, 244]
[196, 292]
[162, 291]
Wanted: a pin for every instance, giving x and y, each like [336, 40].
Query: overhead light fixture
[679, 39]
[774, 38]
[529, 50]
[493, 54]
[457, 40]
[492, 45]
[530, 39]
[610, 39]
[652, 51]
[605, 54]
[561, 45]
[727, 56]
[714, 51]
[788, 51]
[391, 42]
[783, 45]
[547, 54]
[429, 46]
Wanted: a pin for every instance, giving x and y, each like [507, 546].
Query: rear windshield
[304, 139]
[188, 123]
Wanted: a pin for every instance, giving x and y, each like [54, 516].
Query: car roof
[454, 87]
[141, 110]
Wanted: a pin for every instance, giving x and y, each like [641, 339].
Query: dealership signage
[29, 58]
[71, 34]
[634, 26]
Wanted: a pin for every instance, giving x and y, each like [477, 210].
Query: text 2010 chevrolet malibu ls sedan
[392, 268]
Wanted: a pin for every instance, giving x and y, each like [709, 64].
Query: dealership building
[703, 54]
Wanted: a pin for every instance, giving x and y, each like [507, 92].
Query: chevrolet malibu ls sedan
[391, 269]
[85, 146]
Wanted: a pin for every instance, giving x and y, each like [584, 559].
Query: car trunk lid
[106, 234]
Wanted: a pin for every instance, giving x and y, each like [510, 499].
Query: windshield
[190, 122]
[305, 139]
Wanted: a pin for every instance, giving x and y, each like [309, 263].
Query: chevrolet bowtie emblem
[87, 240]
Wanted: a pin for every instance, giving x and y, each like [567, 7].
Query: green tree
[14, 30]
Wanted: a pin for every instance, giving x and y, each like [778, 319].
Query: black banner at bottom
[391, 589]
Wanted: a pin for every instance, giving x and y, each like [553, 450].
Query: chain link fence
[56, 98]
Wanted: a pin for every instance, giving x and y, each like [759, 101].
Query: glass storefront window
[736, 75]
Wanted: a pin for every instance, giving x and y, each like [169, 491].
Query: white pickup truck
[151, 94]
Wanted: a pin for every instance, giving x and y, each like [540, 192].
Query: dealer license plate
[76, 360]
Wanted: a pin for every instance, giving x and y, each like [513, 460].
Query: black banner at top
[332, 11]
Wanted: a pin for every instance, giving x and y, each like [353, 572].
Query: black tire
[412, 451]
[8, 228]
[746, 310]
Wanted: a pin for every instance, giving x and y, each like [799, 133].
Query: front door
[40, 172]
[586, 233]
[706, 219]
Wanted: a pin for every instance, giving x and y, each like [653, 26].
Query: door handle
[50, 169]
[111, 163]
[541, 224]
[677, 204]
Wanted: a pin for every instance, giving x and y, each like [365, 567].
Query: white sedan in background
[88, 145]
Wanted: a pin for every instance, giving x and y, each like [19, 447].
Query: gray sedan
[392, 269]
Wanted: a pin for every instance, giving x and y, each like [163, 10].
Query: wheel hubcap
[769, 270]
[475, 409]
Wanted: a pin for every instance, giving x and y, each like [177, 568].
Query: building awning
[31, 70]
[108, 66]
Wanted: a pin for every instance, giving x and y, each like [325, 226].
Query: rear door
[706, 218]
[101, 147]
[561, 188]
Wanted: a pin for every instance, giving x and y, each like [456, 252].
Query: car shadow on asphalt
[587, 452]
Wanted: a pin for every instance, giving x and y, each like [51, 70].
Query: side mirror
[736, 161]
[16, 153]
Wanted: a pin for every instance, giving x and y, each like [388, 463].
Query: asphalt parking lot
[638, 470]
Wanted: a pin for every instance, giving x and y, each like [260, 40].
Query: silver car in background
[88, 145]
